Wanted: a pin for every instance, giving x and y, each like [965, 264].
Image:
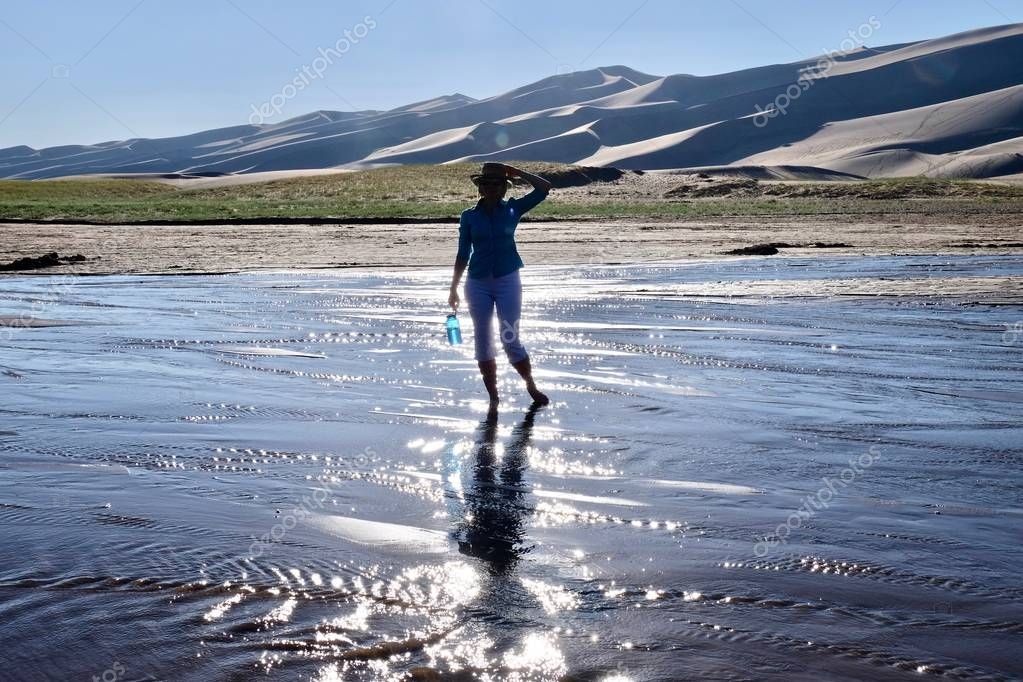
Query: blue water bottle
[454, 330]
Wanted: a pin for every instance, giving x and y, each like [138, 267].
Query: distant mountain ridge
[948, 107]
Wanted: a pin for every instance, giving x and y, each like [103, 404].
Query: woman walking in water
[486, 244]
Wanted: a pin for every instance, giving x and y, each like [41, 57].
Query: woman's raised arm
[535, 180]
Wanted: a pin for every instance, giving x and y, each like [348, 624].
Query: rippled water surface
[291, 476]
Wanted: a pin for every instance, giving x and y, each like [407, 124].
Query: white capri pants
[504, 293]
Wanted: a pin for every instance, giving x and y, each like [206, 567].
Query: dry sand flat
[225, 248]
[948, 106]
[143, 248]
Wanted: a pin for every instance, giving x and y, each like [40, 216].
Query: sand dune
[948, 107]
[931, 140]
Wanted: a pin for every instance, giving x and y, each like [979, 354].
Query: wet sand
[223, 248]
[743, 475]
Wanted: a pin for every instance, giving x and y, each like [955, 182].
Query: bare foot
[539, 398]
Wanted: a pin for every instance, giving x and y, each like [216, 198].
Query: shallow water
[290, 475]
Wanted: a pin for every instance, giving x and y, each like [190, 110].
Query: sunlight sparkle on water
[553, 598]
[538, 655]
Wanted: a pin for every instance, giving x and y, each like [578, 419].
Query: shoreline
[804, 253]
[924, 210]
[212, 248]
[453, 219]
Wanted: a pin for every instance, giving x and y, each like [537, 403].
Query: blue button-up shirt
[487, 240]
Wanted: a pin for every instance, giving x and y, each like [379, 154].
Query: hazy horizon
[137, 68]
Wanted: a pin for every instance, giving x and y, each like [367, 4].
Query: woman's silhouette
[486, 246]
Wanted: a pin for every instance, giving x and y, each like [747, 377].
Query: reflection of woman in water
[486, 245]
[492, 526]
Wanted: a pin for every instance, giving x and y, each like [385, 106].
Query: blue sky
[84, 72]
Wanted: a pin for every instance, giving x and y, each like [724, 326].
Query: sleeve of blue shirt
[464, 239]
[524, 204]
